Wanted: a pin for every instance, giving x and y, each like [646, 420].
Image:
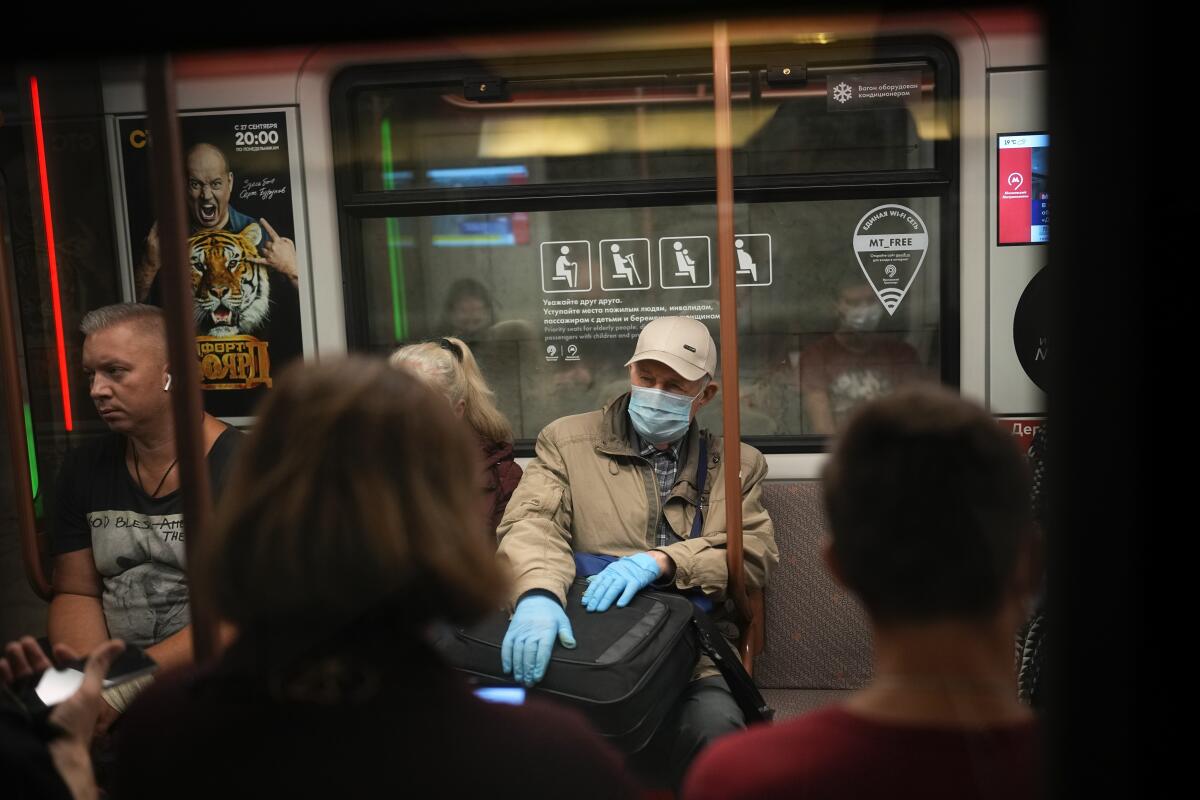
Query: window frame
[354, 205]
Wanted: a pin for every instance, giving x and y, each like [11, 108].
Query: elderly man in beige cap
[622, 482]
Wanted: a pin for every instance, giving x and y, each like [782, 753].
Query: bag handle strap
[749, 699]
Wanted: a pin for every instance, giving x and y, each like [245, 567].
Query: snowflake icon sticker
[842, 92]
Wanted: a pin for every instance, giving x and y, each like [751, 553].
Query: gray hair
[148, 318]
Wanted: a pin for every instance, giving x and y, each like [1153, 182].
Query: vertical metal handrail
[166, 154]
[14, 421]
[723, 113]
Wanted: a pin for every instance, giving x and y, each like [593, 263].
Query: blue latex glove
[536, 621]
[620, 581]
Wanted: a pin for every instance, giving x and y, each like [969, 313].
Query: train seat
[818, 643]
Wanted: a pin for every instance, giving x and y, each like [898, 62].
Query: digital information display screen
[1023, 198]
[480, 230]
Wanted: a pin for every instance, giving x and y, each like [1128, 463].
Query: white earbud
[167, 384]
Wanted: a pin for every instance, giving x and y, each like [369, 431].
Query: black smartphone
[56, 685]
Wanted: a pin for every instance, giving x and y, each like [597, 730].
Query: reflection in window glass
[638, 128]
[552, 131]
[820, 340]
[838, 301]
[805, 129]
[552, 319]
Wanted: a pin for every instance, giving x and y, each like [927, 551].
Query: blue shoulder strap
[701, 476]
[589, 564]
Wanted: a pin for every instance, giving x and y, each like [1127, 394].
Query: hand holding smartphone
[56, 685]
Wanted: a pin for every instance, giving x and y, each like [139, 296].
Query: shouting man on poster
[209, 187]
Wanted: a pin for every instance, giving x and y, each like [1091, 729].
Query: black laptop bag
[627, 670]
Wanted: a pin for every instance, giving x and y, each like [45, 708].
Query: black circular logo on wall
[1031, 334]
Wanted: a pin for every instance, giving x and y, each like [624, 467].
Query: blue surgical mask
[660, 416]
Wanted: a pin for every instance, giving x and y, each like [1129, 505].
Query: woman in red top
[449, 366]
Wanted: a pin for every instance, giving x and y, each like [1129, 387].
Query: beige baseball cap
[682, 343]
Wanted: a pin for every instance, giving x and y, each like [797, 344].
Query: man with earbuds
[624, 482]
[118, 539]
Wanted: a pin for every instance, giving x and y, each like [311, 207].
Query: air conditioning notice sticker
[875, 90]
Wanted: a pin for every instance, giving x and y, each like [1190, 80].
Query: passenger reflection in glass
[350, 526]
[469, 311]
[621, 482]
[856, 363]
[448, 365]
[928, 503]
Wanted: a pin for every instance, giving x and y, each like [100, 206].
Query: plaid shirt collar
[649, 451]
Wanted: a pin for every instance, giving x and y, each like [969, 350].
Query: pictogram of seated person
[118, 538]
[621, 482]
[928, 503]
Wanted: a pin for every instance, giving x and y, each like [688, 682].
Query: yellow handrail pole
[728, 299]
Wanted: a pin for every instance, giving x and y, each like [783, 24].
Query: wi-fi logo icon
[891, 299]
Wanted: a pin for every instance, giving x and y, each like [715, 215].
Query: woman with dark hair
[349, 526]
[469, 310]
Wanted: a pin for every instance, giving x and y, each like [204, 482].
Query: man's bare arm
[177, 649]
[76, 616]
[147, 268]
[173, 651]
[820, 413]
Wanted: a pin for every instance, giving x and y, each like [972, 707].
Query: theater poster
[241, 181]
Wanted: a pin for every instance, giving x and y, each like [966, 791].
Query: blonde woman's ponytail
[456, 374]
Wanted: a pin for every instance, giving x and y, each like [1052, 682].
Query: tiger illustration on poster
[232, 290]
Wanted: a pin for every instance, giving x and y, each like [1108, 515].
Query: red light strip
[54, 291]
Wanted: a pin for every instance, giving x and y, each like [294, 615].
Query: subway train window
[64, 251]
[793, 126]
[632, 127]
[551, 130]
[551, 341]
[544, 210]
[815, 339]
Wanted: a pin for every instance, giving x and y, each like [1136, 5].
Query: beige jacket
[589, 491]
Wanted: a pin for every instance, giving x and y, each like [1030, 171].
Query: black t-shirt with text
[136, 540]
